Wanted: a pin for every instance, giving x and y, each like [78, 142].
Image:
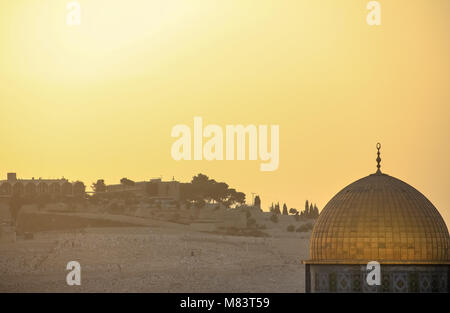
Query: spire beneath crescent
[378, 158]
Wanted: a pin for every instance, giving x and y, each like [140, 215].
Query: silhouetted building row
[13, 186]
[154, 188]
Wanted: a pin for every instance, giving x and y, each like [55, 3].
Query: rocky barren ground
[153, 257]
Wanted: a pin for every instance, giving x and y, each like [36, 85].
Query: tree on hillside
[199, 188]
[310, 211]
[285, 209]
[218, 192]
[235, 197]
[99, 186]
[277, 208]
[315, 211]
[79, 189]
[127, 182]
[257, 202]
[202, 189]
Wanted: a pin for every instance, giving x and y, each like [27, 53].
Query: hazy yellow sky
[99, 100]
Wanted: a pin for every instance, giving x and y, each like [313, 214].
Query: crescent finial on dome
[378, 158]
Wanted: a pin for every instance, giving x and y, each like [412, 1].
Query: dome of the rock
[379, 218]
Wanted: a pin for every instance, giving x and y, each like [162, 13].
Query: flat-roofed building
[153, 188]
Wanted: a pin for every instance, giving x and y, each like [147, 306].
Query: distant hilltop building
[28, 187]
[155, 188]
[379, 218]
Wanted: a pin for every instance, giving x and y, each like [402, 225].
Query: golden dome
[379, 218]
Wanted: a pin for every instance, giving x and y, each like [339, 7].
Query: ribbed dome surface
[379, 218]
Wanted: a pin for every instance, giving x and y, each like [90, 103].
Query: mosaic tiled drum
[379, 218]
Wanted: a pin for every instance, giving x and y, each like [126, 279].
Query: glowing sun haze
[99, 100]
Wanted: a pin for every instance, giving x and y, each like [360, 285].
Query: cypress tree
[285, 210]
